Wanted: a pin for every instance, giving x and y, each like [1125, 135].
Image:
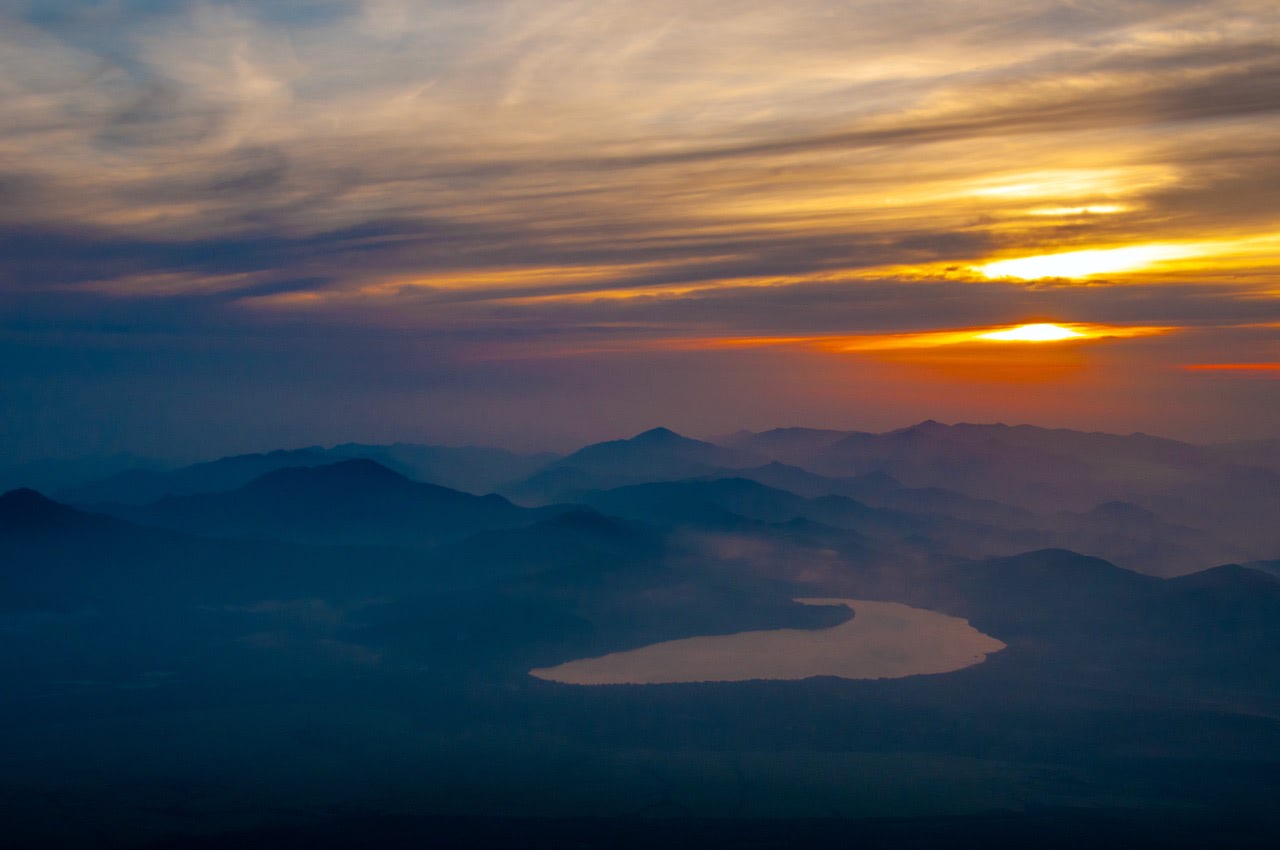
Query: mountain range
[338, 604]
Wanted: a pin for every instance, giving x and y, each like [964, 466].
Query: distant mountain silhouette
[1044, 589]
[659, 454]
[54, 476]
[1225, 623]
[938, 500]
[471, 469]
[709, 503]
[1033, 466]
[879, 489]
[724, 503]
[28, 513]
[1204, 504]
[140, 486]
[578, 544]
[1134, 537]
[1228, 577]
[353, 501]
[1115, 628]
[802, 482]
[796, 446]
[1028, 465]
[635, 456]
[324, 608]
[53, 556]
[1269, 567]
[580, 582]
[1187, 506]
[1259, 453]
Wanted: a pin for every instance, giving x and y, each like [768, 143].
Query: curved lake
[884, 640]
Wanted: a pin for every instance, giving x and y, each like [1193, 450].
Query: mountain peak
[28, 510]
[927, 427]
[24, 498]
[658, 435]
[357, 471]
[1227, 576]
[1064, 563]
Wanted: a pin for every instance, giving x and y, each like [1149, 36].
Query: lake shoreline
[883, 640]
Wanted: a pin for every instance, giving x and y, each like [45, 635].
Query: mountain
[1010, 464]
[1224, 624]
[577, 547]
[141, 486]
[1134, 537]
[796, 446]
[578, 583]
[1259, 453]
[1040, 593]
[1121, 532]
[655, 455]
[1227, 578]
[671, 451]
[56, 557]
[715, 503]
[1056, 589]
[1207, 504]
[1269, 567]
[882, 490]
[51, 476]
[352, 501]
[724, 505]
[305, 639]
[27, 513]
[1211, 637]
[472, 469]
[802, 482]
[1049, 468]
[937, 500]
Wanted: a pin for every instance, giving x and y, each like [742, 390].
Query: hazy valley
[275, 641]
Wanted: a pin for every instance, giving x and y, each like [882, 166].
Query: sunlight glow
[923, 340]
[1042, 332]
[1067, 182]
[1094, 209]
[1076, 264]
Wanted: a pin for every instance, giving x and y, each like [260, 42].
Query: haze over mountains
[1146, 503]
[1132, 578]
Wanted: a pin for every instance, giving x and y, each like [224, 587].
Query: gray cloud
[487, 179]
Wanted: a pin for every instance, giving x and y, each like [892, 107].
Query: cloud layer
[521, 181]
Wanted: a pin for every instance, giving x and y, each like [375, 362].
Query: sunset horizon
[639, 424]
[551, 222]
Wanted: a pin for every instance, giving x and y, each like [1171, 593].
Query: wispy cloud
[573, 171]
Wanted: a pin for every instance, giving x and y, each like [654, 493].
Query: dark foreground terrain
[320, 650]
[1050, 829]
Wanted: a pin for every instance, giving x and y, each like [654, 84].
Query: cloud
[533, 178]
[626, 114]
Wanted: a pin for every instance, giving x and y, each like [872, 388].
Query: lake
[884, 640]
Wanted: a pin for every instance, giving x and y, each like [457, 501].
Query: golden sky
[569, 186]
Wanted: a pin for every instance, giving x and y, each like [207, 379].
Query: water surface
[884, 640]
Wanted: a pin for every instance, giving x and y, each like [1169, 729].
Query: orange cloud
[1233, 367]
[1034, 334]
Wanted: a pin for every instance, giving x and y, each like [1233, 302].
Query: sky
[233, 226]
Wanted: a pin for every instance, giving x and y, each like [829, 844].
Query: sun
[1042, 332]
